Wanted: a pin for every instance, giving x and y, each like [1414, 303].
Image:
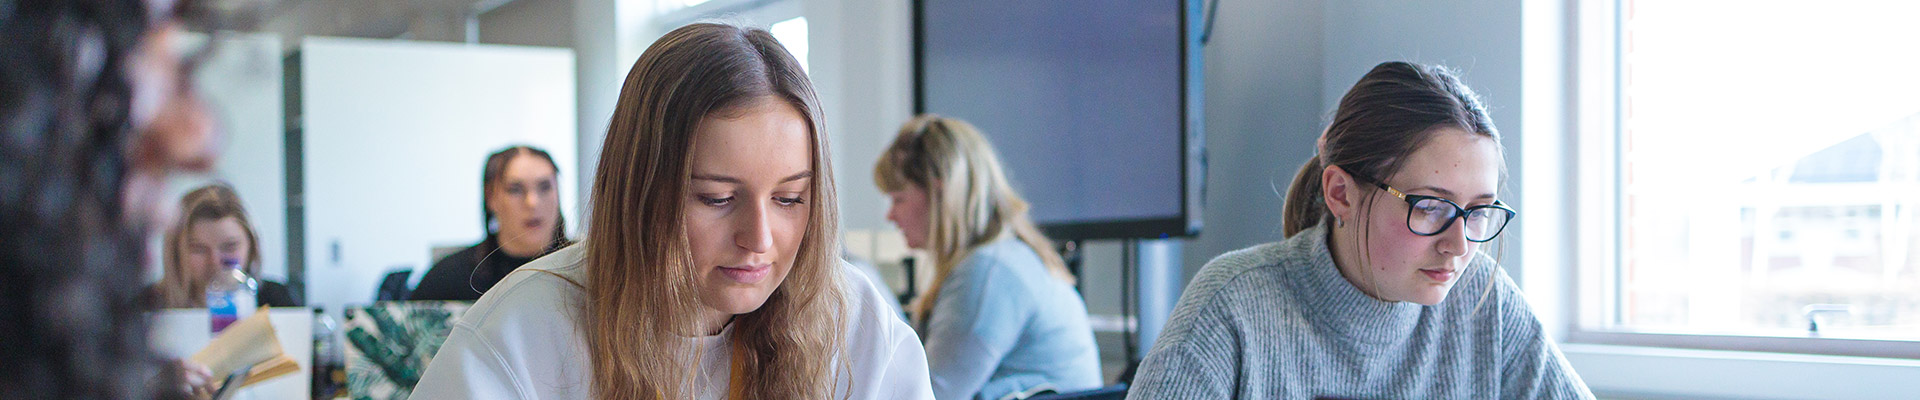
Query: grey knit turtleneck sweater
[1277, 321]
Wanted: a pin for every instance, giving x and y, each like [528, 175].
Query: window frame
[1595, 58]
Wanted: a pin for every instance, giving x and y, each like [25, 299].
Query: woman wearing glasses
[1381, 225]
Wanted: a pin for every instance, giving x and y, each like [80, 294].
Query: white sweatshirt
[521, 341]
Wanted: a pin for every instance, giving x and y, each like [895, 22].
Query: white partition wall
[392, 139]
[241, 83]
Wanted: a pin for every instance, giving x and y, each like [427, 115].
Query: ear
[1340, 192]
[934, 189]
[486, 202]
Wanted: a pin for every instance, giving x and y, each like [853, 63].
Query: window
[1765, 173]
[792, 33]
[780, 17]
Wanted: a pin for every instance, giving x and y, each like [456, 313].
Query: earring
[1339, 223]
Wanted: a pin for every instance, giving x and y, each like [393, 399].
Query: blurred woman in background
[1002, 316]
[213, 232]
[520, 211]
[96, 110]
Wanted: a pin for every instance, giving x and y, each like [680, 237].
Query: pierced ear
[1340, 192]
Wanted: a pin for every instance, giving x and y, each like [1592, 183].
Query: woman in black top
[521, 214]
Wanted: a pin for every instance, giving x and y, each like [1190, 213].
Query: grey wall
[529, 22]
[862, 67]
[1275, 70]
[1263, 110]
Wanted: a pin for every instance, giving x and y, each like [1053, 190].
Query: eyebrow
[1450, 194]
[737, 181]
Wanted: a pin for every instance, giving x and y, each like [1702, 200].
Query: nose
[1453, 241]
[893, 212]
[532, 198]
[755, 230]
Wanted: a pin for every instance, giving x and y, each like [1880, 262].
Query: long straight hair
[1393, 110]
[970, 201]
[181, 287]
[641, 298]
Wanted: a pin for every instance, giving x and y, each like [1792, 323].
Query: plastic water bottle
[230, 295]
[329, 359]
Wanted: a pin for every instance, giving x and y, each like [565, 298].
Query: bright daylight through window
[1768, 170]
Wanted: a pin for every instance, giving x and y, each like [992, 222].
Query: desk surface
[178, 333]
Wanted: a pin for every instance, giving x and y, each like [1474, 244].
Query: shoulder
[884, 356]
[871, 322]
[544, 291]
[276, 295]
[521, 339]
[867, 303]
[1229, 274]
[447, 270]
[1001, 254]
[997, 265]
[466, 258]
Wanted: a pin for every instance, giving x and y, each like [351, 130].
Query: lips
[748, 273]
[1438, 275]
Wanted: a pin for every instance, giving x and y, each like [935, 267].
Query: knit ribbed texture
[1278, 321]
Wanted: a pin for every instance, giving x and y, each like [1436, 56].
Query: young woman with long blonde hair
[1001, 317]
[213, 231]
[709, 268]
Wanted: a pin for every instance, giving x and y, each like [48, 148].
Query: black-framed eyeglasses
[1431, 215]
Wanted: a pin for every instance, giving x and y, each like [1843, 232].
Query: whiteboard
[394, 136]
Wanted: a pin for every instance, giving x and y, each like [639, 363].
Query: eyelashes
[723, 201]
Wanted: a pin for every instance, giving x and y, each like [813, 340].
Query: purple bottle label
[222, 311]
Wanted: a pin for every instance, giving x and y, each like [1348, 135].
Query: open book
[249, 342]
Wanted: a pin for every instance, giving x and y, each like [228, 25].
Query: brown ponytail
[1304, 208]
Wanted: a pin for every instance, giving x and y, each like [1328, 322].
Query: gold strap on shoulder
[737, 382]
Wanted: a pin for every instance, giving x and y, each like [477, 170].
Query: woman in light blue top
[1001, 319]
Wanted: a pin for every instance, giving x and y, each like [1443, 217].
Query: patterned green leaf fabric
[390, 344]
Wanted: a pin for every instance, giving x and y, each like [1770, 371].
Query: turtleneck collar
[1330, 301]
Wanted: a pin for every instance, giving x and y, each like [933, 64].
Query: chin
[741, 301]
[1428, 298]
[535, 244]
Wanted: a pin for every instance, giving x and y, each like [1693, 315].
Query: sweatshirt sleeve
[1197, 355]
[469, 367]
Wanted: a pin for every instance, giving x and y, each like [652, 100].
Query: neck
[712, 321]
[517, 248]
[1346, 247]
